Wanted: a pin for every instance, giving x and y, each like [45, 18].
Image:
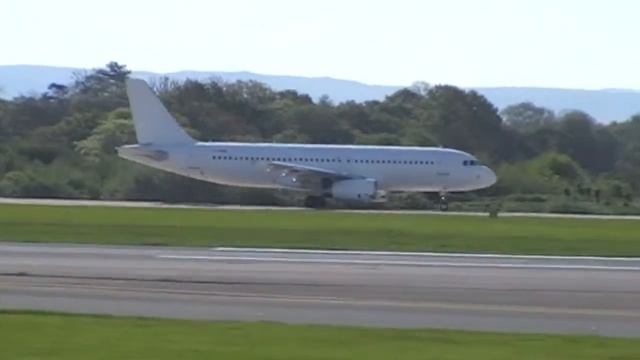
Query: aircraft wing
[306, 177]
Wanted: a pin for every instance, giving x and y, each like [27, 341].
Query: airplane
[343, 172]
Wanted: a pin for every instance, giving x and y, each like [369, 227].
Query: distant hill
[605, 105]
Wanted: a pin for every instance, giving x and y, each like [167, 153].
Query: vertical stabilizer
[153, 123]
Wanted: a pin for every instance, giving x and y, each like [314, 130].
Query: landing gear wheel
[315, 202]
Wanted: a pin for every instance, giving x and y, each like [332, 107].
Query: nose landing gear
[444, 204]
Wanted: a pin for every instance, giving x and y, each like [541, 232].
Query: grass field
[317, 229]
[55, 336]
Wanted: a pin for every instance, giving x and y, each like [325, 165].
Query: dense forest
[61, 143]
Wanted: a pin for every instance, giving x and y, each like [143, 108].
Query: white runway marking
[430, 254]
[398, 263]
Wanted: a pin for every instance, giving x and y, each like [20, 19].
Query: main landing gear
[315, 202]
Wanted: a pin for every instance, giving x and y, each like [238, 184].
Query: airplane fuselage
[247, 164]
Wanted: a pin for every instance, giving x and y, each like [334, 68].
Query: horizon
[496, 43]
[325, 77]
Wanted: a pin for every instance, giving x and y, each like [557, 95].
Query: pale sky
[553, 43]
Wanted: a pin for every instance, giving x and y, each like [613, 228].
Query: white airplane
[343, 172]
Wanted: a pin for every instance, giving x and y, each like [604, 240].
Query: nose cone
[488, 177]
[485, 177]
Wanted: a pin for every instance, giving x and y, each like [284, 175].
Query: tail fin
[153, 123]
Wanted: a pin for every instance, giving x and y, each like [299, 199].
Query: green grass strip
[48, 336]
[319, 230]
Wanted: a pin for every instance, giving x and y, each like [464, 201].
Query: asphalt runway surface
[599, 296]
[150, 204]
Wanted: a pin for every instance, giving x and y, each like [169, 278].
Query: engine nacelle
[357, 189]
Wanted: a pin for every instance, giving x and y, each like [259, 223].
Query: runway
[477, 292]
[151, 204]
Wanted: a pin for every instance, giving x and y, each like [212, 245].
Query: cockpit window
[471, 163]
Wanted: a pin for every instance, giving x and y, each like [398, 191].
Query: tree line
[61, 143]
